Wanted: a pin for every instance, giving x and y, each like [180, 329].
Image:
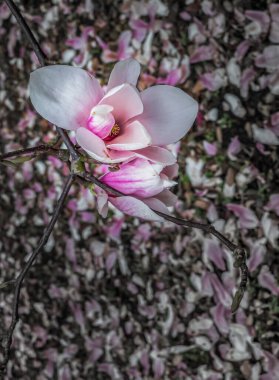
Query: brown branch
[6, 339]
[43, 62]
[238, 252]
[35, 152]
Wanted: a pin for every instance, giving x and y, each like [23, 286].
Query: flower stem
[6, 339]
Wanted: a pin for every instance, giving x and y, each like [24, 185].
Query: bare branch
[29, 35]
[37, 151]
[6, 338]
[238, 252]
[43, 62]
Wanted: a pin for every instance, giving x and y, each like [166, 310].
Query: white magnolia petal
[157, 154]
[168, 113]
[134, 207]
[97, 149]
[126, 71]
[64, 95]
[126, 102]
[134, 137]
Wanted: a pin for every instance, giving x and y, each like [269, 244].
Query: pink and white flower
[120, 123]
[145, 186]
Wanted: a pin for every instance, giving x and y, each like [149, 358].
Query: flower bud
[138, 177]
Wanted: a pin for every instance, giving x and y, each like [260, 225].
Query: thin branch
[28, 33]
[6, 339]
[36, 151]
[43, 61]
[238, 252]
[70, 146]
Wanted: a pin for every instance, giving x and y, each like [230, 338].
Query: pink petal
[267, 280]
[274, 30]
[242, 49]
[92, 144]
[257, 256]
[171, 171]
[124, 51]
[156, 154]
[64, 95]
[214, 80]
[126, 102]
[219, 317]
[210, 149]
[219, 290]
[213, 251]
[134, 207]
[273, 203]
[102, 202]
[246, 217]
[156, 204]
[126, 71]
[234, 147]
[167, 198]
[168, 113]
[261, 17]
[138, 177]
[269, 58]
[158, 368]
[202, 53]
[97, 149]
[133, 137]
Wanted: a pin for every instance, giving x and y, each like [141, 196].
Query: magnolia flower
[145, 185]
[120, 123]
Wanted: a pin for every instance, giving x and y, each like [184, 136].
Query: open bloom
[145, 186]
[120, 123]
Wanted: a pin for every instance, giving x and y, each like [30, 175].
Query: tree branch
[36, 151]
[238, 252]
[6, 338]
[29, 35]
[43, 62]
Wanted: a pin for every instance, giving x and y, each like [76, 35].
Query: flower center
[101, 122]
[115, 130]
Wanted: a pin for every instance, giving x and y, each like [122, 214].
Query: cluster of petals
[145, 186]
[119, 125]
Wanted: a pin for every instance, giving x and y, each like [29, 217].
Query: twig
[239, 253]
[29, 35]
[43, 61]
[6, 339]
[35, 152]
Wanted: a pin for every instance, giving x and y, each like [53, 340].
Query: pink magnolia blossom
[145, 185]
[119, 124]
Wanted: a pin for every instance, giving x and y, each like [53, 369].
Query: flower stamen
[115, 130]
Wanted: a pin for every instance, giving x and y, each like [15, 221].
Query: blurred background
[125, 299]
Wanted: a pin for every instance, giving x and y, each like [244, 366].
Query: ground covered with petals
[119, 298]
